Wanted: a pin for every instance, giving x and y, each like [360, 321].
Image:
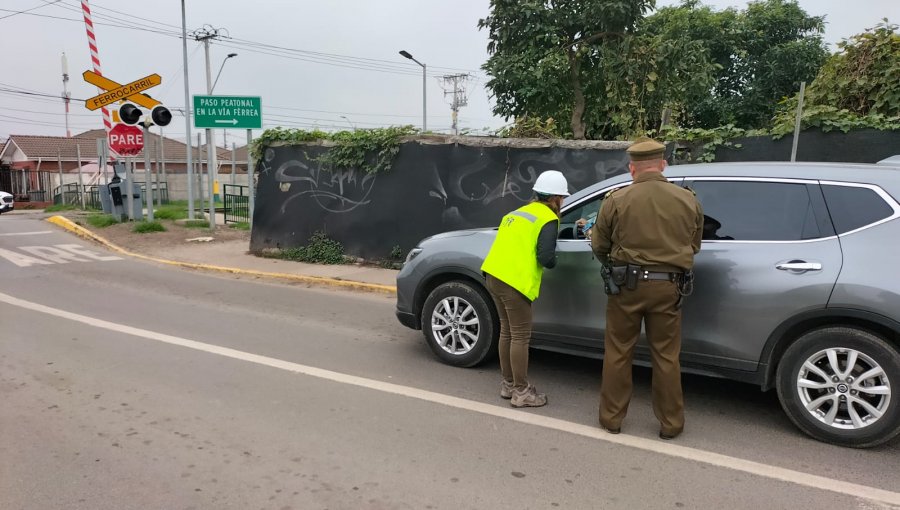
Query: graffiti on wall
[338, 191]
[431, 188]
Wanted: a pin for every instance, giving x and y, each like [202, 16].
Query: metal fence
[69, 195]
[26, 185]
[159, 190]
[237, 203]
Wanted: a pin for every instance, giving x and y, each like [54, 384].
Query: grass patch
[145, 227]
[320, 250]
[172, 211]
[60, 207]
[241, 225]
[101, 220]
[196, 224]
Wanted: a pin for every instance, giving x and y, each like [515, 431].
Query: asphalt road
[128, 385]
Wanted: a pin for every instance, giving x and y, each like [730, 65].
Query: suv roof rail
[891, 161]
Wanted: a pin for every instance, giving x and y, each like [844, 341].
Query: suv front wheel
[841, 385]
[459, 325]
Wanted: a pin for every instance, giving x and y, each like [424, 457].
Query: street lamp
[406, 54]
[220, 70]
[348, 122]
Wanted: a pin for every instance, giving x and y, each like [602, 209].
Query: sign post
[227, 112]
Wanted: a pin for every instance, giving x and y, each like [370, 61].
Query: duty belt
[654, 275]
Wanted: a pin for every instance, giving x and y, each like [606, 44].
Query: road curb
[69, 225]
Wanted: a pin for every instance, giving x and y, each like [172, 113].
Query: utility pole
[66, 96]
[455, 85]
[205, 34]
[187, 118]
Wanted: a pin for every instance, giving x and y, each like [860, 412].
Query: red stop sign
[126, 140]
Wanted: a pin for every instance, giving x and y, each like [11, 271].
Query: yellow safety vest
[513, 256]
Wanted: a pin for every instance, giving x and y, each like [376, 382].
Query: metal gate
[237, 203]
[26, 185]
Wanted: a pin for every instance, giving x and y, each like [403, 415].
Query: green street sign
[227, 112]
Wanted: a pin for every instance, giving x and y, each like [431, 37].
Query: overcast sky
[329, 64]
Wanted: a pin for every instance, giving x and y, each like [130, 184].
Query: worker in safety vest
[524, 246]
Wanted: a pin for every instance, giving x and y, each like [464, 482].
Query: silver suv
[797, 289]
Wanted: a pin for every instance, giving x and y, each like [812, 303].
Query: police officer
[649, 232]
[524, 246]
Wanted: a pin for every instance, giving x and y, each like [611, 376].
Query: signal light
[130, 114]
[161, 115]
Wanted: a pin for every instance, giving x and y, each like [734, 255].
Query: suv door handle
[799, 265]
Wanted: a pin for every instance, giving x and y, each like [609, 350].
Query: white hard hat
[552, 182]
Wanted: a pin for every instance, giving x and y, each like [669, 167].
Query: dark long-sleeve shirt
[546, 244]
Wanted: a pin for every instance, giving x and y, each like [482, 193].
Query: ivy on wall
[369, 150]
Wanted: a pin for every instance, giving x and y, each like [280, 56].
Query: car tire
[826, 398]
[459, 323]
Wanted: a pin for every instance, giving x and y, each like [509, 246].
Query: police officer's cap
[645, 149]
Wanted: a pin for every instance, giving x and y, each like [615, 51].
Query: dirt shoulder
[174, 239]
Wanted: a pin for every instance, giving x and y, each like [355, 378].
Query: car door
[769, 252]
[572, 305]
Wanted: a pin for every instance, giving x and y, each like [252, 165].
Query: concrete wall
[434, 186]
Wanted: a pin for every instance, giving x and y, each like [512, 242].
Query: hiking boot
[506, 389]
[528, 397]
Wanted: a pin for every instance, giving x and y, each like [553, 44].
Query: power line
[14, 13]
[351, 62]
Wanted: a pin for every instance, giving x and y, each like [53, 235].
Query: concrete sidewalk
[234, 254]
[232, 257]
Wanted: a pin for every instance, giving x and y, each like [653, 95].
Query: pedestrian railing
[160, 190]
[237, 203]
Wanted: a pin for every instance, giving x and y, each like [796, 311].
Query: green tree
[644, 76]
[863, 77]
[762, 54]
[545, 55]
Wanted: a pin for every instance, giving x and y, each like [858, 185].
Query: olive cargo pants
[652, 302]
[514, 310]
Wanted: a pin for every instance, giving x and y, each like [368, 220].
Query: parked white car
[6, 202]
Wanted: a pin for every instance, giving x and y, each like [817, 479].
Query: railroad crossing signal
[117, 92]
[128, 113]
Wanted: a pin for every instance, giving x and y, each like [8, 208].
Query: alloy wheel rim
[455, 325]
[844, 388]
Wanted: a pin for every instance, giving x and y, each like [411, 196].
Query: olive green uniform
[658, 226]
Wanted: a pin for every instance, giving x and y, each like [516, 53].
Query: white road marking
[22, 260]
[39, 232]
[651, 445]
[52, 254]
[57, 254]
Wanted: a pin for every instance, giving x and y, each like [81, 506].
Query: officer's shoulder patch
[610, 193]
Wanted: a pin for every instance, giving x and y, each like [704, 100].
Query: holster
[610, 286]
[631, 276]
[618, 275]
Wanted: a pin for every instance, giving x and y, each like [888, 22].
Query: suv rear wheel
[840, 385]
[458, 324]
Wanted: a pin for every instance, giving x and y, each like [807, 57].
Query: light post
[224, 131]
[406, 54]
[348, 122]
[220, 70]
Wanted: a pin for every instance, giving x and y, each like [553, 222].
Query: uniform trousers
[514, 310]
[652, 302]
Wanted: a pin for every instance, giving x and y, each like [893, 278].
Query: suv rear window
[852, 207]
[756, 211]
